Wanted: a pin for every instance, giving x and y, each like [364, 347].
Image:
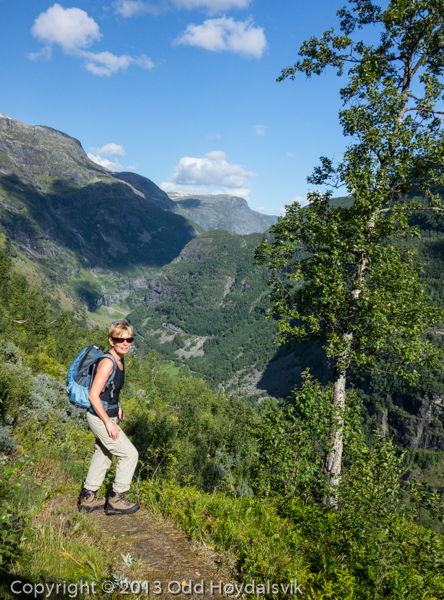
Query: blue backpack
[81, 374]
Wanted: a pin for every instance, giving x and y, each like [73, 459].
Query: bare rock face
[159, 290]
[161, 287]
[221, 211]
[421, 429]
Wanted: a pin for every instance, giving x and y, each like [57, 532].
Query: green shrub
[264, 546]
[15, 387]
[180, 422]
[10, 526]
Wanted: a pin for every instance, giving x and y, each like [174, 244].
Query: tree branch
[435, 208]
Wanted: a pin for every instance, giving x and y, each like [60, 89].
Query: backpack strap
[111, 377]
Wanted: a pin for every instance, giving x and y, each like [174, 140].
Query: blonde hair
[120, 327]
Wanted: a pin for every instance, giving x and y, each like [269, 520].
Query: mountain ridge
[222, 211]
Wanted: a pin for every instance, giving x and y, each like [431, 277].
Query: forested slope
[218, 297]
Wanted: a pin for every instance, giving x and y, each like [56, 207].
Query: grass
[104, 316]
[58, 544]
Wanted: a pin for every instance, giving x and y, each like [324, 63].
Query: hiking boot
[118, 505]
[88, 501]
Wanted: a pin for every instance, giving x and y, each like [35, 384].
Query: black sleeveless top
[119, 378]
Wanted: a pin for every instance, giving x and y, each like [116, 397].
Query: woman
[102, 418]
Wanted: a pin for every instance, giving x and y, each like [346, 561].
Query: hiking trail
[164, 554]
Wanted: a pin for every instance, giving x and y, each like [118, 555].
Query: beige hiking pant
[106, 448]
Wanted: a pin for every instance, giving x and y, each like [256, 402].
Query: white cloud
[106, 63]
[212, 6]
[290, 155]
[213, 169]
[259, 130]
[183, 190]
[224, 33]
[103, 162]
[143, 61]
[214, 136]
[205, 174]
[110, 150]
[74, 31]
[45, 54]
[132, 168]
[71, 28]
[133, 8]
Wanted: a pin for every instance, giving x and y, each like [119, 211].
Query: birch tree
[338, 273]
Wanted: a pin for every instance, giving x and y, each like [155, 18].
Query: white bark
[333, 461]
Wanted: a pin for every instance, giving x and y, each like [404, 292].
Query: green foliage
[292, 442]
[360, 316]
[366, 290]
[15, 387]
[370, 547]
[44, 537]
[44, 341]
[424, 459]
[383, 553]
[361, 292]
[337, 273]
[384, 550]
[10, 526]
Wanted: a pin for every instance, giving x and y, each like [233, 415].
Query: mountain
[73, 226]
[148, 189]
[221, 211]
[86, 235]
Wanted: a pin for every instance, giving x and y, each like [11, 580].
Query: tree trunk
[333, 461]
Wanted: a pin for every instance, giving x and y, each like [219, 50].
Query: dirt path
[164, 555]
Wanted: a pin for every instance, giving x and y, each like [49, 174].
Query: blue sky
[180, 91]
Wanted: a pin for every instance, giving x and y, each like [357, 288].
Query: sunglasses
[121, 340]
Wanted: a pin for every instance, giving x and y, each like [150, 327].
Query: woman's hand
[112, 429]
